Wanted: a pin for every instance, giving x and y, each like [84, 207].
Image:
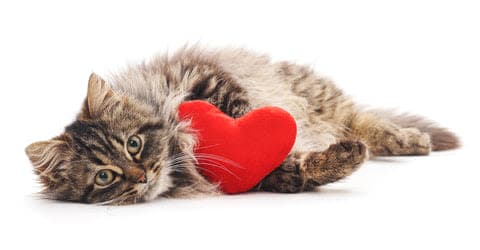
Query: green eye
[104, 177]
[134, 144]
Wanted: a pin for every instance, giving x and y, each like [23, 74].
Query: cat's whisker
[180, 160]
[219, 158]
[187, 160]
[220, 167]
[206, 147]
[185, 166]
[180, 156]
[207, 160]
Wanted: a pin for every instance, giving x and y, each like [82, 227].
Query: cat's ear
[47, 156]
[99, 95]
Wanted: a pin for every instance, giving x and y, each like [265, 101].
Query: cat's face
[117, 151]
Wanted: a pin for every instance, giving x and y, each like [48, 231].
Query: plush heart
[238, 153]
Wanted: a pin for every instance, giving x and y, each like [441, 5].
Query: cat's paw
[405, 141]
[284, 179]
[349, 152]
[338, 161]
[303, 171]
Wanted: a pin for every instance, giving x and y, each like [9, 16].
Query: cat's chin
[157, 185]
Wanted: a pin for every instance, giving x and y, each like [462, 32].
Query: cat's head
[119, 150]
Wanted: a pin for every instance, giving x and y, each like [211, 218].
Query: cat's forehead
[120, 126]
[85, 129]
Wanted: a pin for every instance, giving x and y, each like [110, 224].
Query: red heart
[239, 153]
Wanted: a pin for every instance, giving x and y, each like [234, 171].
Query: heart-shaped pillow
[238, 153]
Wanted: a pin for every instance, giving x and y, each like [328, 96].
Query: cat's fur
[334, 136]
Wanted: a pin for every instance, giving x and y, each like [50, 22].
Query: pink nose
[135, 174]
[142, 179]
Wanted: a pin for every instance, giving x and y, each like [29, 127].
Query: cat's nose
[142, 178]
[135, 174]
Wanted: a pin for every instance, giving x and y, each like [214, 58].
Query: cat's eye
[104, 177]
[134, 144]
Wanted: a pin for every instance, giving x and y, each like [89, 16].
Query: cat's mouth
[158, 181]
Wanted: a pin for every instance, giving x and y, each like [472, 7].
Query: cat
[127, 144]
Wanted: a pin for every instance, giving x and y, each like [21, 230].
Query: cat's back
[266, 83]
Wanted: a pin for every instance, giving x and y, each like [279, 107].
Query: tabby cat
[128, 146]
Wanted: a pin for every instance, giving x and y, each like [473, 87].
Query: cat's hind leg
[385, 138]
[303, 171]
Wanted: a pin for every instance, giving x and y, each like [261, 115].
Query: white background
[420, 56]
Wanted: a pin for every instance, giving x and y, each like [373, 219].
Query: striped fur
[334, 136]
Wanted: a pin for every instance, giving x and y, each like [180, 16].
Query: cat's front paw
[285, 179]
[338, 161]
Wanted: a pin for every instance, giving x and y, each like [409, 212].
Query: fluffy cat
[127, 144]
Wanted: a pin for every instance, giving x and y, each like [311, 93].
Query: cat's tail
[442, 138]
